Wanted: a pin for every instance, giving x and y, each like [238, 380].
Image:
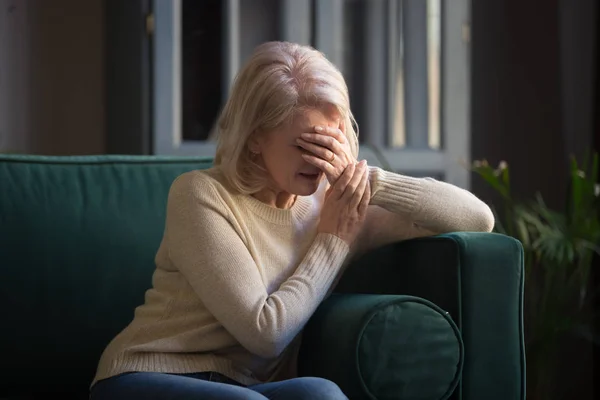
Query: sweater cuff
[395, 192]
[325, 258]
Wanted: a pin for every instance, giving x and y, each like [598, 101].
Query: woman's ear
[254, 143]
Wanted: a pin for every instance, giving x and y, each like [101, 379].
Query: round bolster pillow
[383, 347]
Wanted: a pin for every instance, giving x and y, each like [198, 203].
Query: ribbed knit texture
[236, 280]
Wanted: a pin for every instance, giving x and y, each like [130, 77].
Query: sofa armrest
[478, 279]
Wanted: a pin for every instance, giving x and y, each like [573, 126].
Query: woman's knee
[321, 389]
[158, 386]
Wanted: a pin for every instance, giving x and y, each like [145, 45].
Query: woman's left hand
[328, 149]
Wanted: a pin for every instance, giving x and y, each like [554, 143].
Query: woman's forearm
[430, 204]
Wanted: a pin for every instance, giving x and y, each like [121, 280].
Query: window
[405, 61]
[201, 41]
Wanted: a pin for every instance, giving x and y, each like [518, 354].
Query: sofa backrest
[78, 236]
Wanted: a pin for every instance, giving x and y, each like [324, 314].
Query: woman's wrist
[396, 191]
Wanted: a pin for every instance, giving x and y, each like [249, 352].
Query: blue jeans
[210, 386]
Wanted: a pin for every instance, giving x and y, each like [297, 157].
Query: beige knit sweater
[236, 279]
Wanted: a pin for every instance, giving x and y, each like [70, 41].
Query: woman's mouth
[310, 176]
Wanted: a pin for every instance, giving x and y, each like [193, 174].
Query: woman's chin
[307, 184]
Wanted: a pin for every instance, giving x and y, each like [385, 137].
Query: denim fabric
[210, 386]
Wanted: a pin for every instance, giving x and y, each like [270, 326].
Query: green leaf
[499, 226]
[576, 189]
[594, 172]
[524, 235]
[506, 177]
[489, 175]
[531, 218]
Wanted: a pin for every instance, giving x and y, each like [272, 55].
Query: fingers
[360, 189]
[328, 137]
[323, 152]
[340, 186]
[354, 183]
[336, 133]
[366, 199]
[318, 162]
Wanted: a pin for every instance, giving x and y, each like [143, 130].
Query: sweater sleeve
[207, 249]
[404, 207]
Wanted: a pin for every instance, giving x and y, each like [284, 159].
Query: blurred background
[435, 85]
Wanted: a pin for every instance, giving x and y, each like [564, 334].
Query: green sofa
[429, 319]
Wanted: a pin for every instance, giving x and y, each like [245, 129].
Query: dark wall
[596, 136]
[516, 107]
[128, 77]
[51, 77]
[578, 45]
[534, 67]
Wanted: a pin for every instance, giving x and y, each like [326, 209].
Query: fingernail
[318, 128]
[363, 163]
[305, 135]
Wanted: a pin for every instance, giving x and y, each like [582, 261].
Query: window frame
[448, 162]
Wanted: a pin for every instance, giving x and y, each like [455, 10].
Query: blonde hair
[279, 79]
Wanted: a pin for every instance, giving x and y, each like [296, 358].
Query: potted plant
[559, 247]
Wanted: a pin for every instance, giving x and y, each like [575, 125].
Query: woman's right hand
[346, 203]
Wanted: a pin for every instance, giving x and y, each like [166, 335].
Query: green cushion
[479, 278]
[390, 347]
[78, 236]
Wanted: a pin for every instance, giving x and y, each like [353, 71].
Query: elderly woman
[253, 245]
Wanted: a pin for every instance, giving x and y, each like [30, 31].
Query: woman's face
[282, 157]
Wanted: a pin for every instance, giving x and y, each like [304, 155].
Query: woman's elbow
[485, 219]
[265, 347]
